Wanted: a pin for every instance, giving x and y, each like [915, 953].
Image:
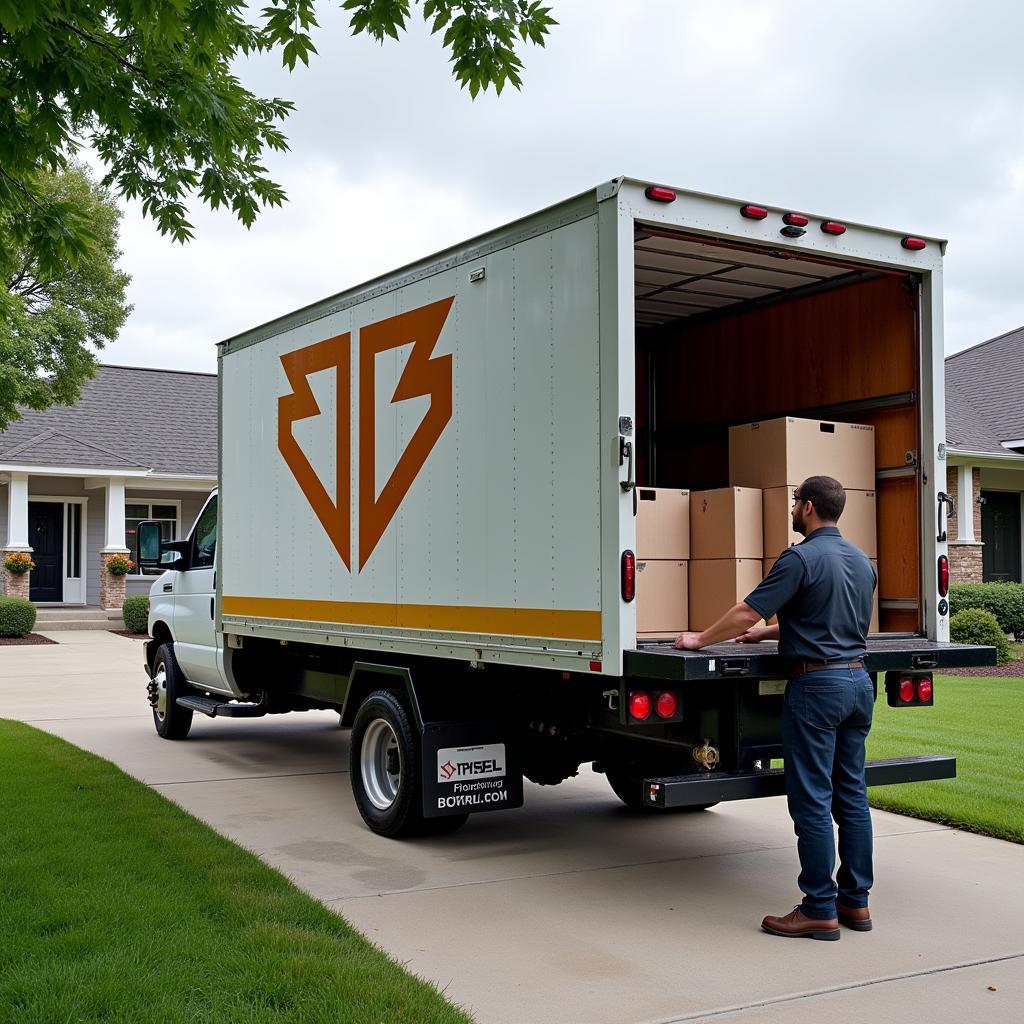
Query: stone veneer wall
[111, 587]
[15, 585]
[965, 559]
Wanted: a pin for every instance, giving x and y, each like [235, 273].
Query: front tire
[167, 685]
[385, 771]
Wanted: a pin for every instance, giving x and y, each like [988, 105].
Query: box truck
[426, 518]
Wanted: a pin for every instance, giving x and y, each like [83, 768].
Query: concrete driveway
[568, 910]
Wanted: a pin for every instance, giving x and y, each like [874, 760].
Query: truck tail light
[914, 244]
[659, 194]
[833, 227]
[753, 212]
[666, 705]
[943, 575]
[640, 705]
[909, 690]
[628, 576]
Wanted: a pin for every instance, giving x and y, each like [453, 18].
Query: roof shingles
[163, 420]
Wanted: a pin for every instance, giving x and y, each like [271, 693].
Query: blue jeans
[826, 717]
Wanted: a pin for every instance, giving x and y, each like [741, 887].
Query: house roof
[984, 385]
[127, 417]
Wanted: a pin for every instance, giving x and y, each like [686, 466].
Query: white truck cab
[182, 607]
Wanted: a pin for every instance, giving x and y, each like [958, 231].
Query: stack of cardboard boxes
[734, 534]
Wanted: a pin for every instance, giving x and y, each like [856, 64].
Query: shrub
[1004, 600]
[120, 566]
[977, 626]
[17, 616]
[19, 562]
[136, 613]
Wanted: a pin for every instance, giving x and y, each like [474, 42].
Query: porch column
[112, 587]
[965, 549]
[15, 585]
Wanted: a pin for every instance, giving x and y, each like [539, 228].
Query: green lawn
[117, 906]
[980, 720]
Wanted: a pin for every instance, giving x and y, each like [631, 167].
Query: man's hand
[687, 642]
[754, 635]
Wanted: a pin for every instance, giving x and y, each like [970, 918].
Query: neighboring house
[985, 459]
[76, 480]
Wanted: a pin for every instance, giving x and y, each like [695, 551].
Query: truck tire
[630, 790]
[167, 685]
[385, 771]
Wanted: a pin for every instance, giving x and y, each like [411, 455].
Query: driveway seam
[250, 778]
[814, 993]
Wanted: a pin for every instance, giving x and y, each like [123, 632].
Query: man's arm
[738, 620]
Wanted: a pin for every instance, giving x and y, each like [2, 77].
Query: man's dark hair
[826, 495]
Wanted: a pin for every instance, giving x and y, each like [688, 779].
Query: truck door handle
[626, 452]
[950, 503]
[211, 607]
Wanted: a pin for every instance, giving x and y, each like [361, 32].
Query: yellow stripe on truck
[540, 622]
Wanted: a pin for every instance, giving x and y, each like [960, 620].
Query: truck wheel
[384, 763]
[630, 790]
[167, 685]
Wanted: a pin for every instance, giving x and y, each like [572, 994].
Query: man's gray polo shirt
[822, 591]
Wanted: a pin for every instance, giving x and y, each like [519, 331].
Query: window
[135, 512]
[74, 517]
[204, 537]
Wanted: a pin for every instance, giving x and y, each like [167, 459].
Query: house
[75, 480]
[985, 459]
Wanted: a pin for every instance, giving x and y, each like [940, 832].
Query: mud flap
[468, 767]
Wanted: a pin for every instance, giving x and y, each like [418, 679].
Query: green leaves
[62, 295]
[480, 34]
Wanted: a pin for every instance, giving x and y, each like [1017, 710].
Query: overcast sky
[903, 114]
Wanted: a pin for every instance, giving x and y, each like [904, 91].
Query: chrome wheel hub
[381, 764]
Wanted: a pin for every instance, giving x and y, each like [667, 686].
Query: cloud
[904, 115]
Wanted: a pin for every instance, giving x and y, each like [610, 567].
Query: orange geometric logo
[425, 375]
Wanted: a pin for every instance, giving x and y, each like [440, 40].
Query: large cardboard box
[857, 524]
[662, 523]
[872, 628]
[661, 596]
[726, 523]
[717, 584]
[774, 452]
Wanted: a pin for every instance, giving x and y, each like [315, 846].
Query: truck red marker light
[640, 705]
[753, 212]
[914, 244]
[658, 194]
[833, 227]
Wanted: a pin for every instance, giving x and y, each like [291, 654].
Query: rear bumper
[690, 790]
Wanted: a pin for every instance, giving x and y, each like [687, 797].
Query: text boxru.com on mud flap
[468, 768]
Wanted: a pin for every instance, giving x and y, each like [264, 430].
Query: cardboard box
[661, 596]
[726, 523]
[857, 523]
[662, 523]
[774, 452]
[717, 584]
[872, 628]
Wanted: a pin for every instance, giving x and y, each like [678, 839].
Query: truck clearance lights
[659, 194]
[753, 212]
[797, 220]
[914, 244]
[833, 227]
[628, 576]
[904, 690]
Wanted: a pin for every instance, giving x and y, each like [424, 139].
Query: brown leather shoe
[857, 918]
[798, 926]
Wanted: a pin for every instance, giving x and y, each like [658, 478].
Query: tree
[55, 320]
[148, 84]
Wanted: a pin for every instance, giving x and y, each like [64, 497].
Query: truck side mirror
[155, 554]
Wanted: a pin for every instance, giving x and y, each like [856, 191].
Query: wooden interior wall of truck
[848, 353]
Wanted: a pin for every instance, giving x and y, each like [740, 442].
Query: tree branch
[126, 64]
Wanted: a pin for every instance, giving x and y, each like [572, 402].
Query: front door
[1000, 530]
[46, 535]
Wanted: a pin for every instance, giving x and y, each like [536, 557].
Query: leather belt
[802, 668]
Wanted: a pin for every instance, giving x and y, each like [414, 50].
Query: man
[821, 590]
